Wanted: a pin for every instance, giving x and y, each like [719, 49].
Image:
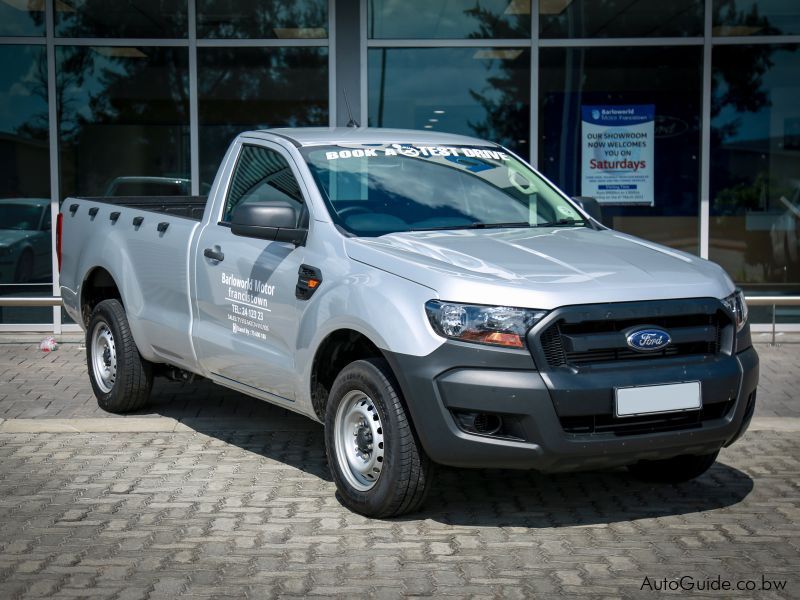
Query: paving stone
[72, 529]
[34, 384]
[188, 511]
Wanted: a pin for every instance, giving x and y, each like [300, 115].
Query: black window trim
[239, 154]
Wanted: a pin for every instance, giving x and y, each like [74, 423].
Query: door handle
[213, 254]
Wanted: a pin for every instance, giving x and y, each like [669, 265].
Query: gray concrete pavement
[34, 384]
[212, 494]
[146, 515]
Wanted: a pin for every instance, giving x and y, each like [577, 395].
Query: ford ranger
[430, 298]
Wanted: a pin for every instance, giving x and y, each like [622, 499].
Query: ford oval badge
[649, 340]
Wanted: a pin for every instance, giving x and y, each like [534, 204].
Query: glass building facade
[143, 97]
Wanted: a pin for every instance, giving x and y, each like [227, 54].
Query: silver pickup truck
[430, 298]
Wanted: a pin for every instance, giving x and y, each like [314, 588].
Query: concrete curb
[239, 425]
[153, 425]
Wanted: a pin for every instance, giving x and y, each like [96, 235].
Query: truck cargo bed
[188, 207]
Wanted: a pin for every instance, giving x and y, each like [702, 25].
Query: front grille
[613, 354]
[606, 423]
[552, 347]
[604, 341]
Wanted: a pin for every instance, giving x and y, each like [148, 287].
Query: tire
[24, 270]
[121, 378]
[392, 473]
[673, 470]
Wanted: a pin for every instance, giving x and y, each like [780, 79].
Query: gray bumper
[460, 377]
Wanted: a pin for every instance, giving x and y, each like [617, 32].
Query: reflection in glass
[483, 92]
[25, 224]
[574, 77]
[378, 189]
[423, 19]
[24, 150]
[21, 18]
[123, 112]
[620, 18]
[282, 19]
[756, 17]
[254, 88]
[755, 166]
[133, 18]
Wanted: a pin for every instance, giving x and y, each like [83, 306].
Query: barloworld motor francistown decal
[249, 300]
[617, 153]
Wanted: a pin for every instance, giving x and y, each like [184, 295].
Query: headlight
[496, 325]
[736, 304]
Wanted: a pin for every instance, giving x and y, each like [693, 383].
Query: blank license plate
[653, 399]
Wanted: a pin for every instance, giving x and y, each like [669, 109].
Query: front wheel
[378, 465]
[674, 470]
[121, 378]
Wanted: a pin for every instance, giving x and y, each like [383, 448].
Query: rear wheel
[378, 465]
[121, 378]
[674, 470]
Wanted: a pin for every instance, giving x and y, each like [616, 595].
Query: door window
[261, 175]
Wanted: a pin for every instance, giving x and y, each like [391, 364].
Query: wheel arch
[338, 349]
[98, 285]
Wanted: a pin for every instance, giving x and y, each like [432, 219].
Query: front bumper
[460, 377]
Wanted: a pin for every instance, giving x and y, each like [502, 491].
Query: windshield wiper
[560, 223]
[475, 226]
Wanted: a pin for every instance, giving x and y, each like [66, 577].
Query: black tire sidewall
[111, 313]
[366, 377]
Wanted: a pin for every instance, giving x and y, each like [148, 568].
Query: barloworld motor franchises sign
[617, 153]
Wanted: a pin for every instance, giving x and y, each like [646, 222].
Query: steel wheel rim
[358, 438]
[104, 357]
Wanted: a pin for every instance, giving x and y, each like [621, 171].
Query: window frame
[264, 146]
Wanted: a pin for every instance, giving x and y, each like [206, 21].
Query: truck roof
[317, 136]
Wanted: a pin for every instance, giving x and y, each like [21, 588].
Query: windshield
[373, 190]
[20, 216]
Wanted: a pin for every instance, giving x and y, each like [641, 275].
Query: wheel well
[337, 351]
[99, 286]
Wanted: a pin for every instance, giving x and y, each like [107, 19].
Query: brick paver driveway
[212, 512]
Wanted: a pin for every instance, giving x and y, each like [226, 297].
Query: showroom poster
[617, 153]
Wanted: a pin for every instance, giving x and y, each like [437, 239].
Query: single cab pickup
[430, 298]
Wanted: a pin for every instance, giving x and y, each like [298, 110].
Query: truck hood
[541, 268]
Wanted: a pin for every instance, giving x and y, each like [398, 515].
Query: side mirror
[274, 220]
[590, 206]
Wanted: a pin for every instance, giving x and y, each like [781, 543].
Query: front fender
[385, 308]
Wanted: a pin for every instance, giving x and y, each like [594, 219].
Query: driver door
[246, 323]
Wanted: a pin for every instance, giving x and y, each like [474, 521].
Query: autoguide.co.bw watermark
[687, 583]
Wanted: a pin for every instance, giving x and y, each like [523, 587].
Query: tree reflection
[122, 110]
[262, 19]
[423, 19]
[506, 102]
[741, 22]
[104, 18]
[753, 166]
[254, 88]
[24, 152]
[23, 18]
[739, 84]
